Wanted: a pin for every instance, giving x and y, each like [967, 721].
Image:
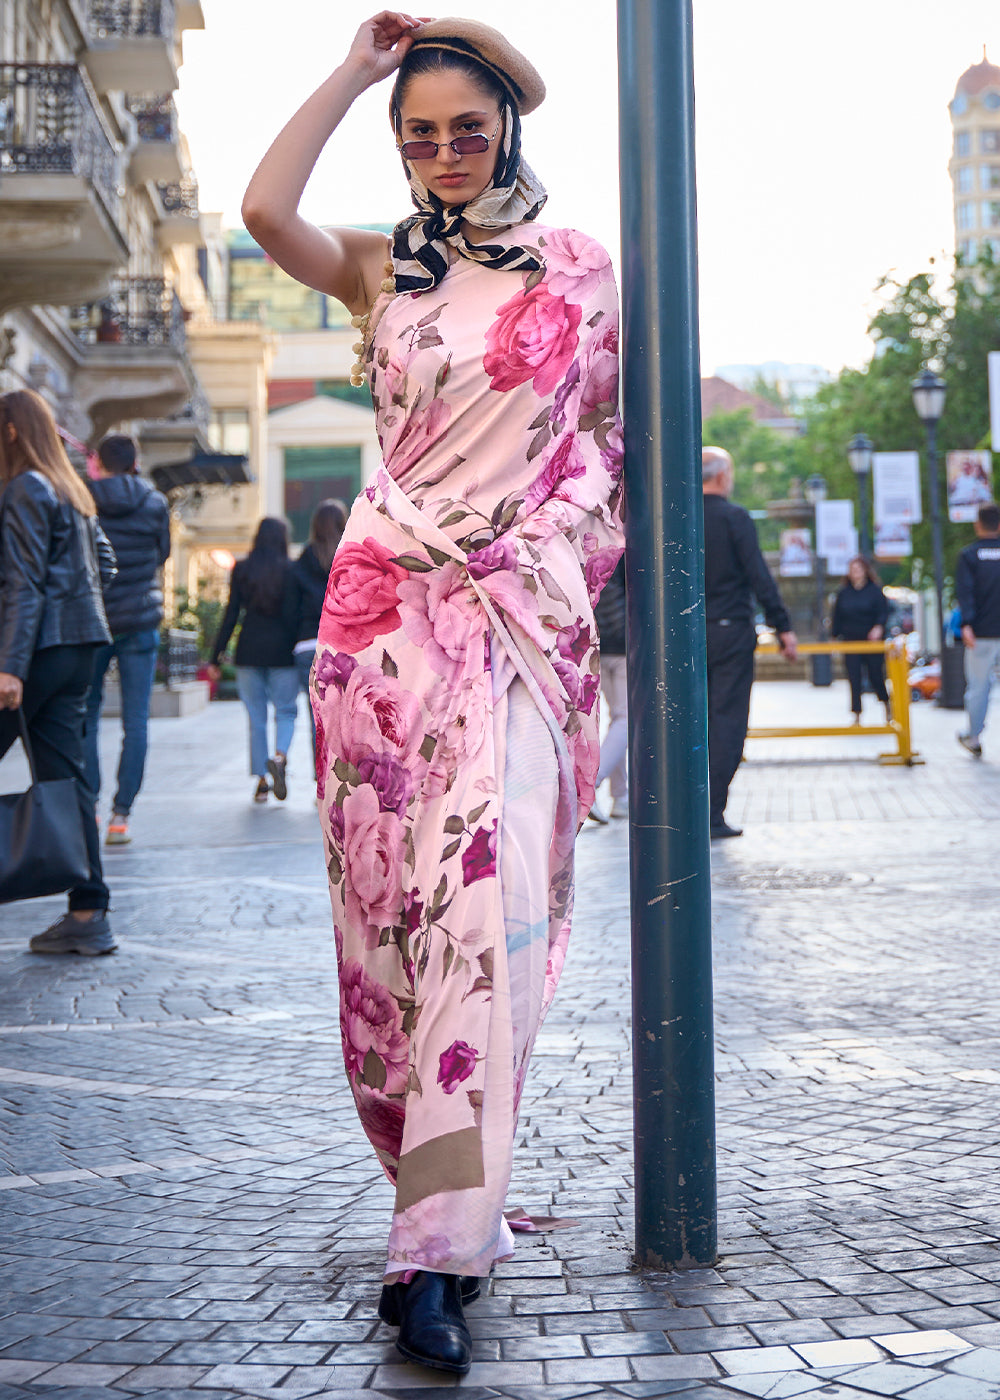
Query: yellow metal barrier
[897, 668]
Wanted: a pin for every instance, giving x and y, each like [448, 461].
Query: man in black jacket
[136, 519]
[977, 583]
[735, 573]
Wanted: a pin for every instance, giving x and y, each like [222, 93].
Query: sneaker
[261, 791]
[118, 832]
[721, 831]
[619, 808]
[597, 814]
[970, 744]
[90, 937]
[276, 767]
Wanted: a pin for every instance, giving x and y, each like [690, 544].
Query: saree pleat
[455, 695]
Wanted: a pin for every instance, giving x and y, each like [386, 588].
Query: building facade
[975, 161]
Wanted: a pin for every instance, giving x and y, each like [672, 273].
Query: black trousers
[730, 680]
[854, 663]
[54, 705]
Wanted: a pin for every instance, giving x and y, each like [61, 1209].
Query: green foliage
[198, 614]
[765, 463]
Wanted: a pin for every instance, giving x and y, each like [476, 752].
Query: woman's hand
[213, 671]
[11, 691]
[877, 633]
[382, 43]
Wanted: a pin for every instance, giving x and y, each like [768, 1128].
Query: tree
[765, 463]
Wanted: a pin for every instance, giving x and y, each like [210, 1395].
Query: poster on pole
[896, 488]
[795, 558]
[970, 483]
[836, 537]
[893, 541]
[993, 361]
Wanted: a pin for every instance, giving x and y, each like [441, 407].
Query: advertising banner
[893, 541]
[795, 558]
[836, 537]
[896, 488]
[970, 483]
[993, 359]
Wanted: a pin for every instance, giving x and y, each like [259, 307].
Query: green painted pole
[668, 745]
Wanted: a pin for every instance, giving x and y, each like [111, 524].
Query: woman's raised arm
[345, 263]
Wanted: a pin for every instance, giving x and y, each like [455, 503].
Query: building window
[989, 140]
[964, 179]
[963, 142]
[314, 473]
[991, 214]
[967, 215]
[229, 431]
[967, 251]
[991, 100]
[989, 177]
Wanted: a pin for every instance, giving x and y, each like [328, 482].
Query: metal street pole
[865, 539]
[668, 745]
[934, 488]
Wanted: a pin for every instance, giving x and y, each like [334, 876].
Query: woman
[860, 614]
[53, 560]
[262, 600]
[456, 678]
[309, 574]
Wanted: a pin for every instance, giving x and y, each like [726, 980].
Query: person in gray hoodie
[136, 519]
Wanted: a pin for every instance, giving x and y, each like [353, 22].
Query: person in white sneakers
[977, 583]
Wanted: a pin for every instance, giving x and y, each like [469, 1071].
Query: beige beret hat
[470, 36]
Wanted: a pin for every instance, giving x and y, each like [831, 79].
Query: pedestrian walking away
[860, 614]
[136, 519]
[735, 574]
[54, 558]
[310, 573]
[263, 599]
[977, 584]
[455, 686]
[610, 615]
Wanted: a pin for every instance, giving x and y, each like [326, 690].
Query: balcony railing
[180, 198]
[136, 311]
[49, 124]
[155, 118]
[131, 19]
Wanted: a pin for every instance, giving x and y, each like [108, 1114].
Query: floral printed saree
[455, 694]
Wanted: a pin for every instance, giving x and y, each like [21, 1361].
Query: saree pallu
[458, 624]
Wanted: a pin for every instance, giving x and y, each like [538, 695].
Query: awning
[203, 469]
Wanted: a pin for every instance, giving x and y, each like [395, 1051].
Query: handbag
[43, 846]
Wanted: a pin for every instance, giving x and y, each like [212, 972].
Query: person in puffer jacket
[136, 519]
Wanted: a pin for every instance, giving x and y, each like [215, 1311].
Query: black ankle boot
[432, 1328]
[390, 1303]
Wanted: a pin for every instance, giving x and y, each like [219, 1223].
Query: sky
[823, 140]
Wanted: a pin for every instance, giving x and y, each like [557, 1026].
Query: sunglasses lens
[470, 145]
[419, 150]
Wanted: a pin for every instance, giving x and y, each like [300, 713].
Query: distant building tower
[975, 160]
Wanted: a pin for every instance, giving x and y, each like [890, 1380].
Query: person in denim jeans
[136, 519]
[263, 599]
[977, 584]
[310, 573]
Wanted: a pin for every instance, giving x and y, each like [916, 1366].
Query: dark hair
[36, 447]
[989, 517]
[425, 58]
[117, 454]
[326, 529]
[267, 566]
[869, 569]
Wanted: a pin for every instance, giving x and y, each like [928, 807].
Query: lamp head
[929, 392]
[859, 454]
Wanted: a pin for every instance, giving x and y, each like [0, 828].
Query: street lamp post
[928, 400]
[822, 666]
[859, 454]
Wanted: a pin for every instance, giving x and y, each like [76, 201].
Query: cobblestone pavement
[189, 1209]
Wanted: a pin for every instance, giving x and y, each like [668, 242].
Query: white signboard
[847, 549]
[896, 488]
[893, 541]
[795, 554]
[993, 359]
[834, 530]
[970, 483]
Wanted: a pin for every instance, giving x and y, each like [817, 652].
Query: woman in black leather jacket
[53, 559]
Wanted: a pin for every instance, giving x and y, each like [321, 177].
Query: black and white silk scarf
[420, 243]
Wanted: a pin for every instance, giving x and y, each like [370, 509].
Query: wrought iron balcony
[131, 45]
[50, 124]
[131, 19]
[136, 311]
[179, 220]
[156, 154]
[155, 117]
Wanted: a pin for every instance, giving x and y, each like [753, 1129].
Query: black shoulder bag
[43, 848]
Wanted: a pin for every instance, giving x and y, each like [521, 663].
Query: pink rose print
[381, 1118]
[534, 337]
[373, 857]
[390, 780]
[580, 687]
[332, 668]
[370, 1022]
[479, 859]
[322, 755]
[561, 462]
[361, 599]
[599, 568]
[599, 371]
[373, 714]
[336, 815]
[440, 614]
[409, 1242]
[455, 1065]
[575, 265]
[574, 640]
[419, 431]
[498, 555]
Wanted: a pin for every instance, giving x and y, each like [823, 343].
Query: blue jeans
[136, 653]
[303, 664]
[259, 685]
[981, 663]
